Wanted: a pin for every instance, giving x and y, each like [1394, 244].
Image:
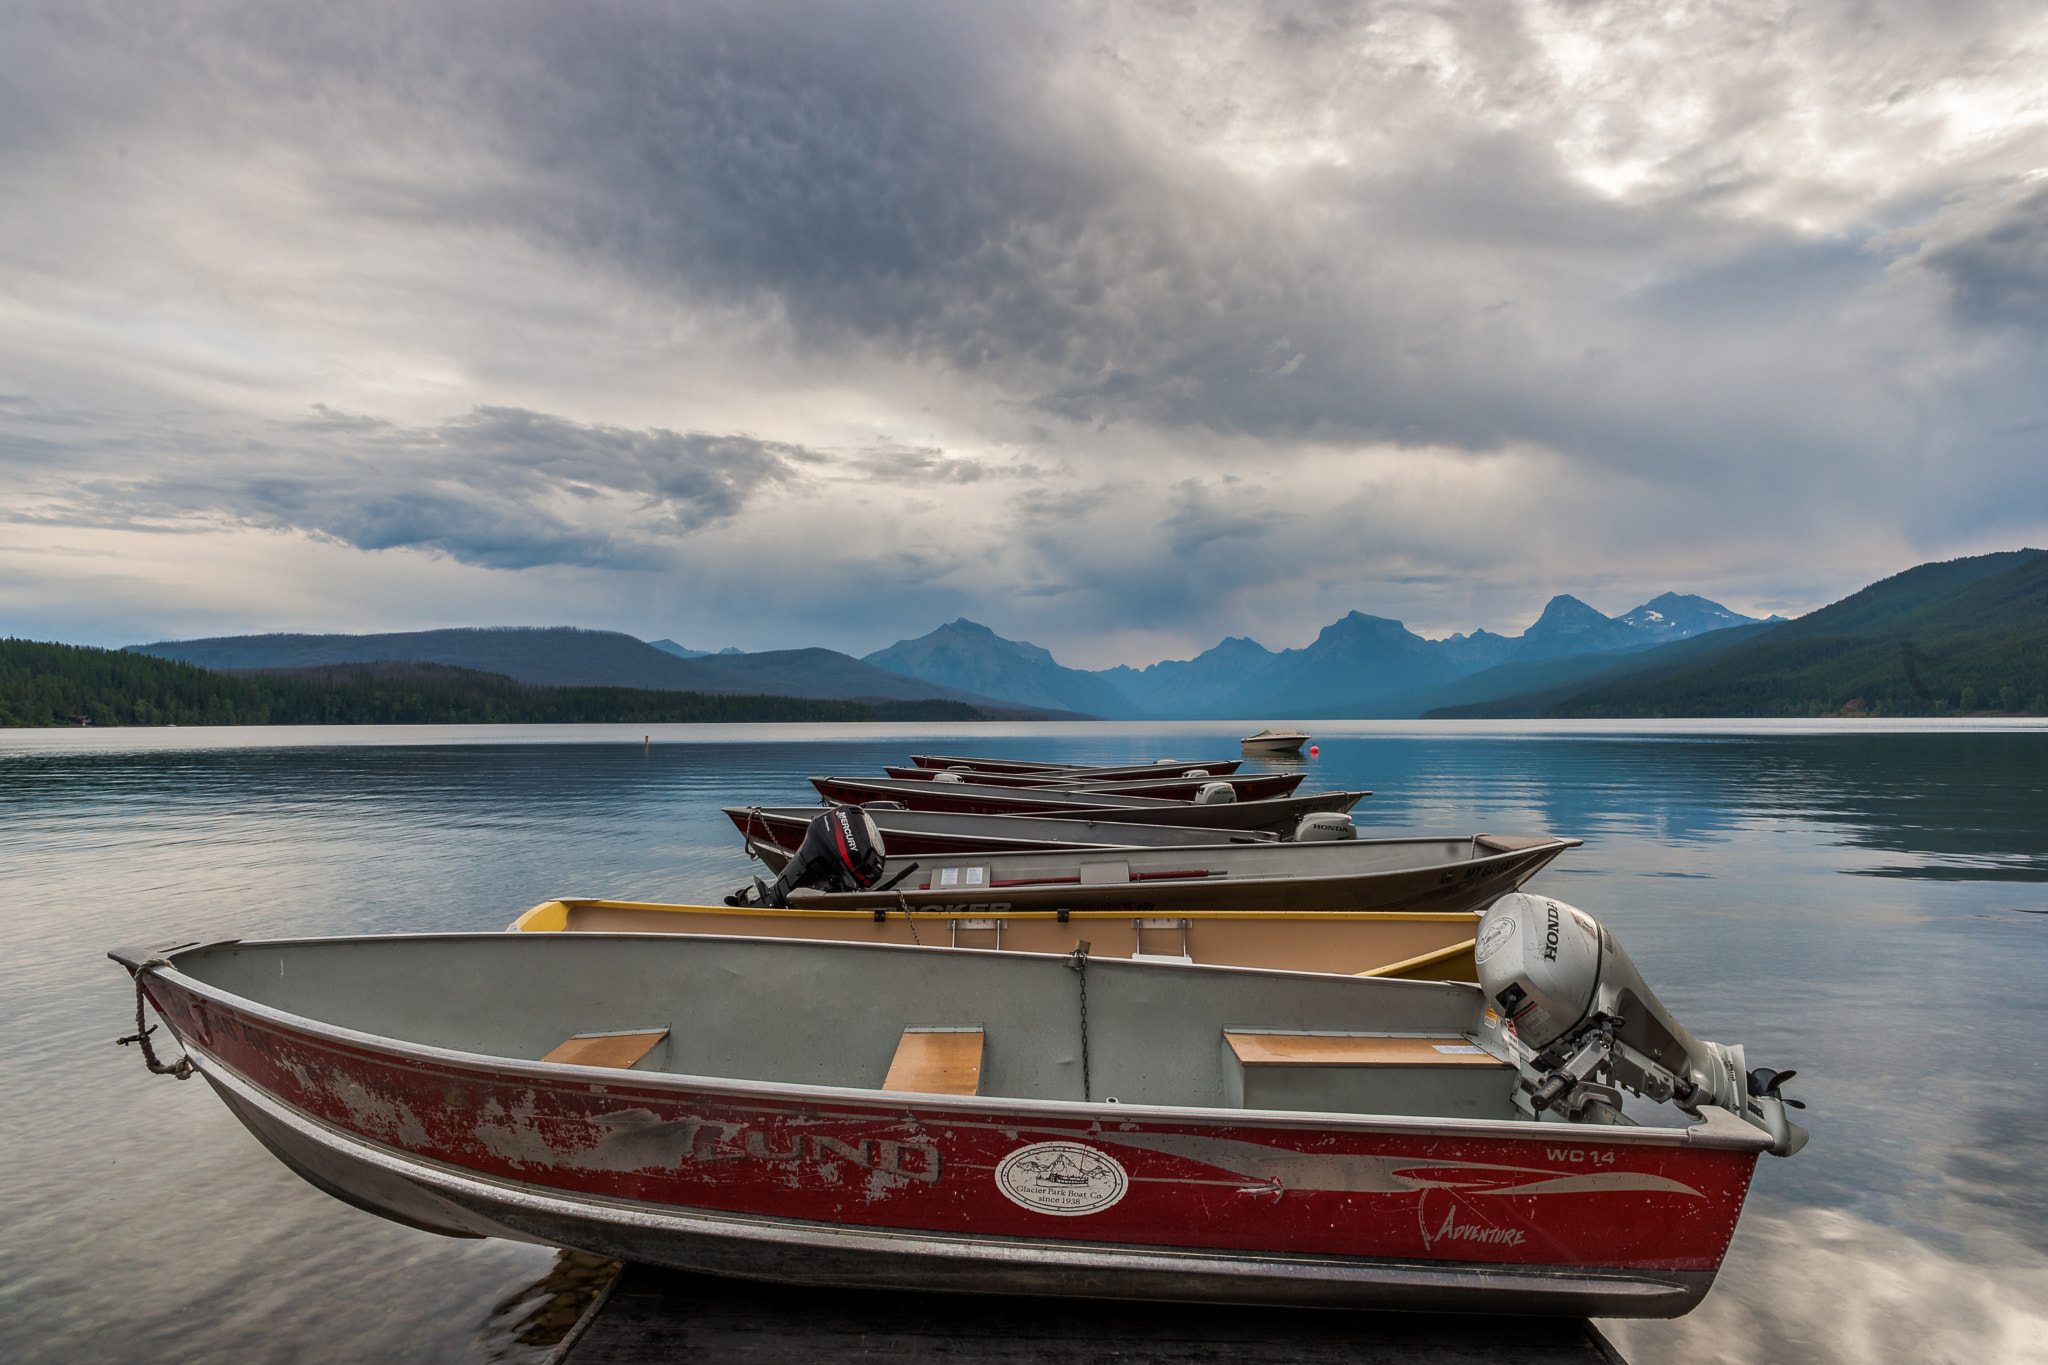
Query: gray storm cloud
[1187, 319]
[500, 488]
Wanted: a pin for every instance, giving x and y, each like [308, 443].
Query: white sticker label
[974, 876]
[949, 876]
[1461, 1049]
[1497, 934]
[1065, 1179]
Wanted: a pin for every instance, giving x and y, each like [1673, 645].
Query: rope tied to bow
[183, 1068]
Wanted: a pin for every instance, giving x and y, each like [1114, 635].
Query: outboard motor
[1215, 794]
[841, 851]
[1324, 827]
[948, 776]
[1579, 1004]
[1196, 772]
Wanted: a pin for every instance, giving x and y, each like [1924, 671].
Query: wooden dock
[649, 1314]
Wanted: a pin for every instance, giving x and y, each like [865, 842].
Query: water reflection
[1823, 1287]
[543, 1313]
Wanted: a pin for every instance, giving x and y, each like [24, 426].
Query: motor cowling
[1215, 794]
[1577, 1001]
[1324, 826]
[841, 851]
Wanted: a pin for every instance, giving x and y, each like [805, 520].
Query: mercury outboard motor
[1580, 1005]
[841, 851]
[1215, 794]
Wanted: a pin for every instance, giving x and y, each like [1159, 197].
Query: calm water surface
[1869, 906]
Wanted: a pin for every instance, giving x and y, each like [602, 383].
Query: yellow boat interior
[1416, 945]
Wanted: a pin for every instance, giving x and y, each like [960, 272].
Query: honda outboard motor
[1324, 826]
[841, 851]
[1579, 1004]
[1215, 794]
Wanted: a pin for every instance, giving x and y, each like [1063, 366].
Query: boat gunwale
[1708, 1133]
[982, 912]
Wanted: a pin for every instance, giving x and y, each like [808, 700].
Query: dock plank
[656, 1315]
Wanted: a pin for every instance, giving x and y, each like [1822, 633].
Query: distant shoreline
[54, 686]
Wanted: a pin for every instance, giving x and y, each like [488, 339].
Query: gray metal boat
[918, 833]
[1448, 875]
[1279, 815]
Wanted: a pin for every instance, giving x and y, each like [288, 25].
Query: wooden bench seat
[1447, 1077]
[937, 1061]
[1320, 1049]
[620, 1050]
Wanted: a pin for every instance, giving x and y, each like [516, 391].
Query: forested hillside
[1962, 636]
[53, 684]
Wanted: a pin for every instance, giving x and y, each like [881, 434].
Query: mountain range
[562, 656]
[1966, 634]
[1959, 636]
[1360, 666]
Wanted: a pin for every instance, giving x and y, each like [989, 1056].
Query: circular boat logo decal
[1495, 938]
[1063, 1178]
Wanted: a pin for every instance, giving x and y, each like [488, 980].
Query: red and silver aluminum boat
[1218, 766]
[1280, 815]
[1176, 786]
[870, 1115]
[916, 833]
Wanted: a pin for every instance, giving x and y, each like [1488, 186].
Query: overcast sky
[1119, 328]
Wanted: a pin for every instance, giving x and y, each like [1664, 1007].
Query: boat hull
[915, 834]
[1174, 787]
[1278, 815]
[816, 1184]
[434, 1198]
[1218, 766]
[1444, 875]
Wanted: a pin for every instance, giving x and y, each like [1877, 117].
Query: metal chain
[183, 1067]
[747, 835]
[903, 904]
[1079, 962]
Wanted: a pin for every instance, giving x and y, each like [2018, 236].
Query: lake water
[1867, 905]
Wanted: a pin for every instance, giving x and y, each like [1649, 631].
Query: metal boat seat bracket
[1138, 953]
